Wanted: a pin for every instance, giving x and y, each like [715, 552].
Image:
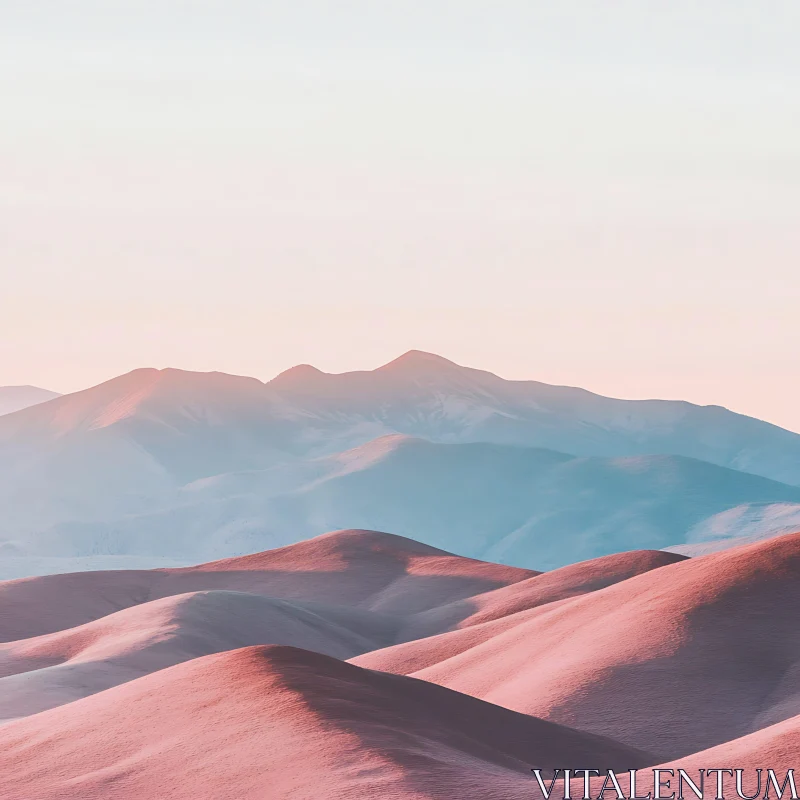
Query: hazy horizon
[595, 195]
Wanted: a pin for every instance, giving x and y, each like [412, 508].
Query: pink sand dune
[547, 587]
[179, 683]
[277, 722]
[676, 660]
[776, 747]
[359, 569]
[57, 668]
[411, 654]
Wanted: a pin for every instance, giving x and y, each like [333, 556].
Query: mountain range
[159, 467]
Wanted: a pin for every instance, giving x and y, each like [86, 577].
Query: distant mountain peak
[419, 360]
[16, 398]
[295, 376]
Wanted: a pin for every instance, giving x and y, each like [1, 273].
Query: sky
[595, 193]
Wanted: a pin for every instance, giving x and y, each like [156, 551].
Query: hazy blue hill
[524, 506]
[15, 398]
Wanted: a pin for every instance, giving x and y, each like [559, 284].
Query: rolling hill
[367, 570]
[282, 723]
[342, 594]
[677, 659]
[229, 679]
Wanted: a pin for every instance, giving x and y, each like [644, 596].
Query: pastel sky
[599, 193]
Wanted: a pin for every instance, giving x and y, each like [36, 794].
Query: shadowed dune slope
[677, 660]
[280, 722]
[466, 619]
[775, 747]
[547, 587]
[359, 569]
[57, 668]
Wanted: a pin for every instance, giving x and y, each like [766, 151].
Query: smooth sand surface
[279, 722]
[294, 673]
[708, 647]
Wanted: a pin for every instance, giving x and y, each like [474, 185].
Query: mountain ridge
[17, 398]
[118, 468]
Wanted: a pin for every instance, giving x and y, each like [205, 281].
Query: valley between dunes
[365, 664]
